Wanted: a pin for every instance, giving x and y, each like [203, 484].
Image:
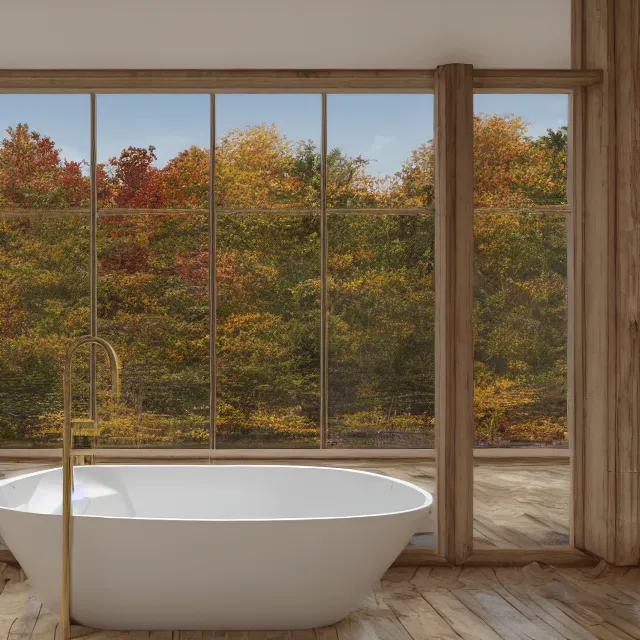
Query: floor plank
[416, 615]
[23, 627]
[427, 603]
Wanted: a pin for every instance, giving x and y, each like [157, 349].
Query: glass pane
[268, 270]
[520, 318]
[521, 329]
[153, 305]
[521, 270]
[381, 305]
[44, 261]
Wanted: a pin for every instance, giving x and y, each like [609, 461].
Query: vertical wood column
[592, 437]
[606, 206]
[454, 306]
[627, 252]
[576, 306]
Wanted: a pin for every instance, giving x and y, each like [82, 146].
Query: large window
[264, 333]
[250, 313]
[265, 266]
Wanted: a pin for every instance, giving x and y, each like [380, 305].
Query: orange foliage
[154, 272]
[508, 167]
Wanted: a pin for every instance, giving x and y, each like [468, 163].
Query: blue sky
[383, 128]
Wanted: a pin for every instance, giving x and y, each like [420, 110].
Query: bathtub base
[218, 624]
[211, 547]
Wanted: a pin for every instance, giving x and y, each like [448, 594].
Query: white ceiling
[245, 34]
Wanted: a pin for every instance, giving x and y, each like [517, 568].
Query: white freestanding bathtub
[216, 547]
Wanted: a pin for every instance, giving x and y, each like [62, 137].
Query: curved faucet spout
[67, 467]
[113, 362]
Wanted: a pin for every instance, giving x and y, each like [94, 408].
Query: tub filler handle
[88, 429]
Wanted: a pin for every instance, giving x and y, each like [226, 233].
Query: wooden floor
[531, 603]
[517, 503]
[521, 504]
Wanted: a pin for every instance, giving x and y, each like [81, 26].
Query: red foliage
[194, 266]
[127, 258]
[134, 179]
[76, 184]
[33, 175]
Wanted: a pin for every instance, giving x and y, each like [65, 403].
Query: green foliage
[520, 323]
[153, 295]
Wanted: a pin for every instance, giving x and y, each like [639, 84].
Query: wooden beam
[626, 62]
[285, 80]
[532, 80]
[161, 453]
[218, 81]
[592, 330]
[411, 557]
[576, 302]
[575, 285]
[454, 306]
[556, 556]
[606, 199]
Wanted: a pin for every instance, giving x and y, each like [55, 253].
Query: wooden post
[454, 306]
[593, 340]
[627, 253]
[606, 206]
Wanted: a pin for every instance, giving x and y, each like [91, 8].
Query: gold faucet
[87, 429]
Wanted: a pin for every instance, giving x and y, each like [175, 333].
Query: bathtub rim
[427, 497]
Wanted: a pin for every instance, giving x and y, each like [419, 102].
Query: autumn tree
[254, 169]
[154, 290]
[34, 176]
[510, 167]
[554, 145]
[520, 282]
[185, 180]
[133, 179]
[414, 184]
[349, 185]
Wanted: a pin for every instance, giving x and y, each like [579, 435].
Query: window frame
[454, 86]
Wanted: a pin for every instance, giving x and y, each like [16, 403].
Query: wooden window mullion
[454, 308]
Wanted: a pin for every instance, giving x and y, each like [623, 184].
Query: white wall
[283, 33]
